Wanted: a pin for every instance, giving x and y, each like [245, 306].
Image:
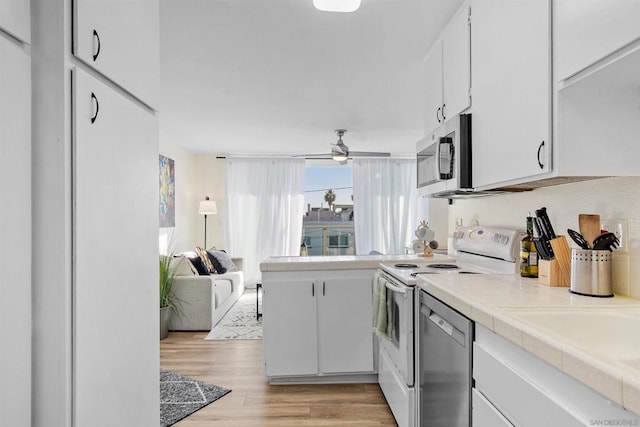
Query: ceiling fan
[341, 153]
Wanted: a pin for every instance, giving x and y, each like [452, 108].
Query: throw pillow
[222, 261]
[182, 266]
[205, 259]
[199, 265]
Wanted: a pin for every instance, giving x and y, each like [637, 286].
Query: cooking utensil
[606, 241]
[578, 238]
[589, 226]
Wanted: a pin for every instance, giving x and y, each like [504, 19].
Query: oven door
[399, 345]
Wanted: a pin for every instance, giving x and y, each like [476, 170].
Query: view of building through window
[327, 227]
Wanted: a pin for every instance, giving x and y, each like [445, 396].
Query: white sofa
[204, 300]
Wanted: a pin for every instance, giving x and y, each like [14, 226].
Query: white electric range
[476, 250]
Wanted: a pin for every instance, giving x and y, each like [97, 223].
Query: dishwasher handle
[447, 327]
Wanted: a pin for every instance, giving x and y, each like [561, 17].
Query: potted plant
[167, 297]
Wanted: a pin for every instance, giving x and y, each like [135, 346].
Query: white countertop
[495, 300]
[341, 262]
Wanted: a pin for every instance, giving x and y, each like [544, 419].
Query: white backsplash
[617, 197]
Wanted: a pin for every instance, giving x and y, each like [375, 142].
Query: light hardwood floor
[238, 365]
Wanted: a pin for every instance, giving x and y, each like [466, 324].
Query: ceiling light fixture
[339, 151]
[337, 5]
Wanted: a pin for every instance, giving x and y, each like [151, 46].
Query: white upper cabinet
[447, 71]
[511, 90]
[586, 31]
[15, 18]
[433, 89]
[120, 39]
[456, 64]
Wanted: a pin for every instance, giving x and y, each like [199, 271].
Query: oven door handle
[395, 288]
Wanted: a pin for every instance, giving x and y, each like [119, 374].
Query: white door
[115, 258]
[15, 18]
[120, 39]
[456, 54]
[289, 322]
[15, 235]
[344, 325]
[588, 30]
[511, 83]
[433, 89]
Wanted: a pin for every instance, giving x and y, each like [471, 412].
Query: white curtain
[384, 204]
[265, 204]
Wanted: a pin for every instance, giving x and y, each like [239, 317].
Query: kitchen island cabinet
[317, 324]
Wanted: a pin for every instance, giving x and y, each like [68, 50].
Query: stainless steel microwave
[444, 160]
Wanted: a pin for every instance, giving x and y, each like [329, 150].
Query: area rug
[181, 396]
[240, 322]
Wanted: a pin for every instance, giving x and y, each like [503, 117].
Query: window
[327, 226]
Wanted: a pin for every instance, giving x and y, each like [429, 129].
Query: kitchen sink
[611, 332]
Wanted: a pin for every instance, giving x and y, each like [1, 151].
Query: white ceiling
[278, 76]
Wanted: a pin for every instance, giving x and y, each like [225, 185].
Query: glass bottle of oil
[528, 253]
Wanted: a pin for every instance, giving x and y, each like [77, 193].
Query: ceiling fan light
[339, 157]
[337, 5]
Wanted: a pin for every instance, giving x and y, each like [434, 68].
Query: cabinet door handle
[438, 115]
[94, 98]
[443, 117]
[323, 288]
[97, 38]
[540, 149]
[313, 289]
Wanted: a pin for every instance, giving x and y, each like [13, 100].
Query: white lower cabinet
[317, 323]
[514, 387]
[485, 414]
[15, 235]
[115, 261]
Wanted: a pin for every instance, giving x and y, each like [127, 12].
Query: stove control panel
[496, 242]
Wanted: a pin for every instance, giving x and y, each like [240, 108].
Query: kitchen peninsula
[317, 317]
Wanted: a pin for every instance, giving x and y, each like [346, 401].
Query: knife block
[557, 271]
[549, 273]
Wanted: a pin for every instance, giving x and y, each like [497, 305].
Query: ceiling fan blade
[368, 154]
[313, 156]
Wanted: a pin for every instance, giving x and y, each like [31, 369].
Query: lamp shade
[208, 207]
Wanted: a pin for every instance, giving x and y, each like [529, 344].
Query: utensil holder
[591, 272]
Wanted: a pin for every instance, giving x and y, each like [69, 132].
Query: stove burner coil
[406, 266]
[444, 266]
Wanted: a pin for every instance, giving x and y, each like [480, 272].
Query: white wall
[609, 197]
[197, 176]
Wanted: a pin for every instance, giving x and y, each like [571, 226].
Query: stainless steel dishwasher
[444, 365]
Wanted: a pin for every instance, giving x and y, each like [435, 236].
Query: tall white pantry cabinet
[15, 214]
[95, 201]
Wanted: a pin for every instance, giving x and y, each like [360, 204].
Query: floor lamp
[207, 207]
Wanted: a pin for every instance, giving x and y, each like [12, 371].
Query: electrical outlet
[620, 228]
